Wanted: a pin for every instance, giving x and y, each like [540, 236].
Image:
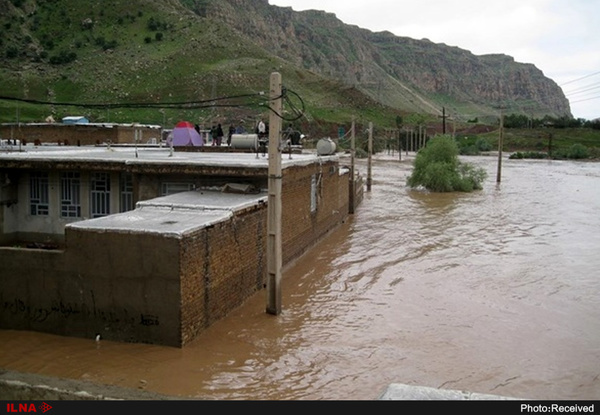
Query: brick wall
[301, 227]
[143, 287]
[221, 266]
[81, 134]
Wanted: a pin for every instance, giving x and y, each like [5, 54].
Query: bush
[469, 151]
[483, 144]
[528, 155]
[578, 151]
[63, 57]
[438, 169]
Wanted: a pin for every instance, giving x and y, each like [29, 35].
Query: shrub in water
[438, 169]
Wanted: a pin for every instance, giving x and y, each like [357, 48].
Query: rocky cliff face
[108, 51]
[409, 74]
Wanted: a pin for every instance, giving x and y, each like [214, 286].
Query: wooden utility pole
[443, 120]
[369, 168]
[399, 144]
[352, 178]
[274, 250]
[500, 145]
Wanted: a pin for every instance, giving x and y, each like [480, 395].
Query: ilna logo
[27, 407]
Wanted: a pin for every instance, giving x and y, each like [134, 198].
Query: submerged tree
[438, 169]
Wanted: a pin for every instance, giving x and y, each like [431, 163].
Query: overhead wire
[249, 100]
[585, 89]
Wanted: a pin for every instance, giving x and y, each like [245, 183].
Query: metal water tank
[244, 141]
[326, 147]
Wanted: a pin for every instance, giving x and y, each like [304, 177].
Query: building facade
[150, 245]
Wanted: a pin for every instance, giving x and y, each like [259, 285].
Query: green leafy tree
[438, 169]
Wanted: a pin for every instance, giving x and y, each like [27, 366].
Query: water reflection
[492, 292]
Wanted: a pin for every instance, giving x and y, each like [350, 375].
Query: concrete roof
[175, 215]
[130, 155]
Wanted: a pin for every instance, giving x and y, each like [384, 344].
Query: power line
[254, 99]
[579, 79]
[587, 99]
[583, 89]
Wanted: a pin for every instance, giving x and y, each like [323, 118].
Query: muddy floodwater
[494, 292]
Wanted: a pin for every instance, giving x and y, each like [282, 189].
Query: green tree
[438, 169]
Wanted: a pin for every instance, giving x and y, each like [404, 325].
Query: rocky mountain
[153, 51]
[404, 73]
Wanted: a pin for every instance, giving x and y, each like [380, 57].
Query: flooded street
[494, 292]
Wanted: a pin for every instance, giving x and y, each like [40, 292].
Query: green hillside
[113, 52]
[208, 61]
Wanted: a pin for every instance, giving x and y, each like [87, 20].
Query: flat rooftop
[175, 215]
[131, 155]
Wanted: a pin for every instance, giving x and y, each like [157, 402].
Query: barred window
[38, 194]
[70, 200]
[100, 194]
[126, 191]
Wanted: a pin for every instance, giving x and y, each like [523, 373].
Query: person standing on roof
[240, 128]
[219, 134]
[231, 133]
[261, 129]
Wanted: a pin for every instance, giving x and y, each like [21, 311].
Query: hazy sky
[560, 37]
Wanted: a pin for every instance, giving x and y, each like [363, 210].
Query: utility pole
[500, 145]
[370, 156]
[399, 144]
[274, 250]
[443, 120]
[352, 178]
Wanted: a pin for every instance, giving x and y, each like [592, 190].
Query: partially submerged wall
[121, 286]
[164, 278]
[221, 266]
[305, 221]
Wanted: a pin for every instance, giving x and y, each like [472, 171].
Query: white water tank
[325, 147]
[244, 141]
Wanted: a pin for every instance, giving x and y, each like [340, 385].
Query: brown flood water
[492, 292]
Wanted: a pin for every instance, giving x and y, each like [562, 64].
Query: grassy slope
[559, 140]
[196, 60]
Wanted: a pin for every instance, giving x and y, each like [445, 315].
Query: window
[100, 194]
[126, 191]
[70, 205]
[38, 194]
[173, 187]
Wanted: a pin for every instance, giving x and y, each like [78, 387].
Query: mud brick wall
[74, 135]
[123, 286]
[221, 266]
[301, 227]
[135, 282]
[152, 288]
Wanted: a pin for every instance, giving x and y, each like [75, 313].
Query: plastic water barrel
[244, 141]
[325, 147]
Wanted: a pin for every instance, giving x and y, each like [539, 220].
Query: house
[150, 245]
